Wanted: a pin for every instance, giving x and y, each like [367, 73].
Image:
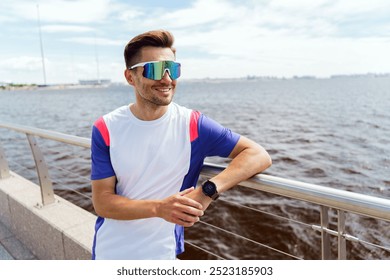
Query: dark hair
[155, 38]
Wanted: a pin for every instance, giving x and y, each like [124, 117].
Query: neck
[149, 113]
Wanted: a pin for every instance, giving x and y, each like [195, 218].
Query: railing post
[325, 237]
[4, 169]
[342, 245]
[47, 192]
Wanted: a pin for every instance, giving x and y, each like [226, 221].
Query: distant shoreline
[18, 86]
[12, 87]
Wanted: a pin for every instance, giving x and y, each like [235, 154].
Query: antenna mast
[40, 39]
[97, 62]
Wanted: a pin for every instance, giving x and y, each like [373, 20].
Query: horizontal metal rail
[326, 197]
[48, 134]
[374, 207]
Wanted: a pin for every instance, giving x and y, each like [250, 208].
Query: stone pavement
[11, 248]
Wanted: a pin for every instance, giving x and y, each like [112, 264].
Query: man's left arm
[248, 159]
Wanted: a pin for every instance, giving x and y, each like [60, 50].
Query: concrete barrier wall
[58, 231]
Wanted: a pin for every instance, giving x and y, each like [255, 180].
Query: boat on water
[332, 208]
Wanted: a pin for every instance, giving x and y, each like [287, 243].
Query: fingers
[189, 211]
[187, 208]
[189, 201]
[187, 216]
[182, 223]
[180, 209]
[186, 191]
[184, 219]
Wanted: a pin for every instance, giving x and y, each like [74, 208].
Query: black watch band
[210, 189]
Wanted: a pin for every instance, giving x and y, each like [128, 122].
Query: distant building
[95, 82]
[306, 77]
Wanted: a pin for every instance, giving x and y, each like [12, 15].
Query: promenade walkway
[11, 248]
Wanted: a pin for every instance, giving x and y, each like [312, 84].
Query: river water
[331, 132]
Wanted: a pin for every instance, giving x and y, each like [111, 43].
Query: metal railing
[325, 197]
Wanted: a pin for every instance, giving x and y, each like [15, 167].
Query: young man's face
[153, 92]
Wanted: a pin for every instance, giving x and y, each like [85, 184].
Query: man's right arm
[176, 209]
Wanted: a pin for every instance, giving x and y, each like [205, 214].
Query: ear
[129, 76]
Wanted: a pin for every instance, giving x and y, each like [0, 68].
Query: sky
[214, 38]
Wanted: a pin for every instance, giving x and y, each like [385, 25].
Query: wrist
[209, 189]
[156, 209]
[204, 198]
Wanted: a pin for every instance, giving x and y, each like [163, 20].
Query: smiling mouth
[163, 89]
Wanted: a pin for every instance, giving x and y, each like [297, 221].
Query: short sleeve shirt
[151, 160]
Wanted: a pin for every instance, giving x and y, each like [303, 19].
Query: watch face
[209, 188]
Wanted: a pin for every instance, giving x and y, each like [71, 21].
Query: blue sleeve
[100, 156]
[216, 140]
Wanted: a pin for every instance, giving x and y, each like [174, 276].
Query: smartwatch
[210, 190]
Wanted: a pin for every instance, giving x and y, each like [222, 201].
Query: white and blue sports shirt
[151, 160]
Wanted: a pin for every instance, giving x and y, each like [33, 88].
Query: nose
[166, 77]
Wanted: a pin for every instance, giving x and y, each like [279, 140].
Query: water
[331, 132]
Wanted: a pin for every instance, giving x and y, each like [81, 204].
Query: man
[147, 156]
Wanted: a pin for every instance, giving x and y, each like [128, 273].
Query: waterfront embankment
[58, 231]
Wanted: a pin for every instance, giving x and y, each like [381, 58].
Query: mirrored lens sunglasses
[155, 70]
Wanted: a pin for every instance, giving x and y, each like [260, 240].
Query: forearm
[176, 208]
[248, 162]
[117, 207]
[249, 159]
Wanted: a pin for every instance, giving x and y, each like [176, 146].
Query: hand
[179, 209]
[200, 197]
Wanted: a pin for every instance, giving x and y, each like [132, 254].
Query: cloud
[201, 14]
[22, 63]
[130, 14]
[83, 11]
[22, 69]
[6, 19]
[324, 18]
[66, 28]
[282, 55]
[215, 38]
[93, 41]
[276, 38]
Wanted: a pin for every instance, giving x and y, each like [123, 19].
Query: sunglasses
[155, 70]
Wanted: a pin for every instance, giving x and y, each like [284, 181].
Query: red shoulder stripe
[102, 127]
[194, 125]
